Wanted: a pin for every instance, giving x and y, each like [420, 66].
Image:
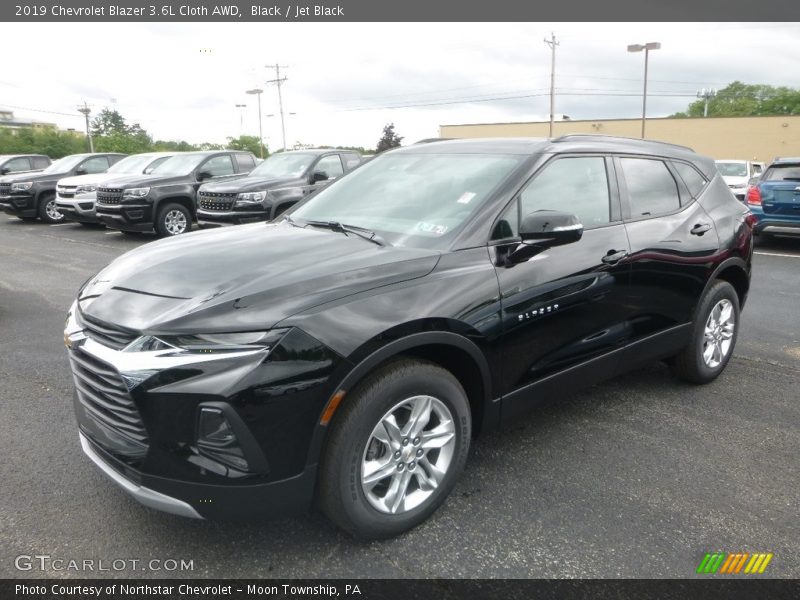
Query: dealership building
[745, 138]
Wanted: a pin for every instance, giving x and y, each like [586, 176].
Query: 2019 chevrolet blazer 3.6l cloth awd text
[346, 354]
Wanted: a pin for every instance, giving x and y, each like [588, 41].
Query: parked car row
[166, 192]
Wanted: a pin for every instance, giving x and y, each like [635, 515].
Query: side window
[507, 225]
[40, 162]
[245, 162]
[15, 165]
[218, 165]
[96, 164]
[651, 187]
[331, 166]
[691, 177]
[757, 169]
[574, 185]
[351, 160]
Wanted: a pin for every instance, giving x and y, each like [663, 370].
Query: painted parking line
[778, 254]
[59, 224]
[112, 232]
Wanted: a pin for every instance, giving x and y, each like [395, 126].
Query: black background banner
[402, 589]
[406, 10]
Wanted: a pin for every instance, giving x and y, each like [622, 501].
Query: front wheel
[714, 333]
[173, 219]
[396, 449]
[48, 211]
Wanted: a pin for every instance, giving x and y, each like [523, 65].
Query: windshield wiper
[361, 232]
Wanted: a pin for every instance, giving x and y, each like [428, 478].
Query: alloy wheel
[52, 211]
[718, 334]
[175, 222]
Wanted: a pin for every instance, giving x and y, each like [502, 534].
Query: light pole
[257, 92]
[638, 48]
[241, 117]
[86, 111]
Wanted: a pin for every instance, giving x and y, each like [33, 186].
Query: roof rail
[599, 136]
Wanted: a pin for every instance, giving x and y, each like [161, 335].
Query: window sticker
[466, 197]
[431, 228]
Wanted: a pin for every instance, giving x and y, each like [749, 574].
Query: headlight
[209, 342]
[250, 198]
[21, 187]
[85, 189]
[136, 192]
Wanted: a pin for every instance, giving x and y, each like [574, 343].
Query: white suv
[738, 173]
[75, 196]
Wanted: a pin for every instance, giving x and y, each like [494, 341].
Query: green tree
[739, 99]
[389, 139]
[249, 143]
[112, 133]
[51, 142]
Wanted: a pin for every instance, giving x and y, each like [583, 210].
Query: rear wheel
[714, 336]
[396, 449]
[48, 211]
[173, 219]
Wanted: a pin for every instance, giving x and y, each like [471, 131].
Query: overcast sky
[182, 81]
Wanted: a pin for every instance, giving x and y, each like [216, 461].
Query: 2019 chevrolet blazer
[348, 353]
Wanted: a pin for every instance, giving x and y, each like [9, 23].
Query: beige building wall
[745, 138]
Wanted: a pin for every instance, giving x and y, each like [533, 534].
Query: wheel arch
[736, 272]
[183, 200]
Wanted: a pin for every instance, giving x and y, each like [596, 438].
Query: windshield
[180, 164]
[64, 164]
[416, 200]
[782, 173]
[132, 164]
[732, 169]
[283, 166]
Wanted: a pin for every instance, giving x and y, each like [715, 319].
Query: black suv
[33, 195]
[22, 163]
[350, 351]
[273, 186]
[164, 200]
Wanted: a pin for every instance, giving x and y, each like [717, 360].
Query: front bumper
[126, 217]
[207, 219]
[81, 210]
[19, 205]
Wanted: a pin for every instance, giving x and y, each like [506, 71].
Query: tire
[364, 509]
[173, 219]
[704, 358]
[47, 210]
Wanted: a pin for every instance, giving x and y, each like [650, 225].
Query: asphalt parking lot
[637, 477]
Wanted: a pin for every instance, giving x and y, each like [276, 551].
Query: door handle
[700, 229]
[614, 256]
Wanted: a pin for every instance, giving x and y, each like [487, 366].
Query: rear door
[780, 191]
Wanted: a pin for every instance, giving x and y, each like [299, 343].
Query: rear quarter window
[39, 162]
[245, 162]
[693, 179]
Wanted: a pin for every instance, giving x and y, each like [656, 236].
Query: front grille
[66, 192]
[102, 392]
[109, 195]
[209, 201]
[107, 335]
[5, 189]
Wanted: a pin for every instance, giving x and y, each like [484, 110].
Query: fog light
[217, 440]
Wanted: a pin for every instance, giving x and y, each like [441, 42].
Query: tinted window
[507, 225]
[96, 164]
[115, 158]
[574, 185]
[40, 162]
[17, 164]
[651, 187]
[351, 160]
[693, 180]
[218, 166]
[330, 165]
[782, 173]
[245, 162]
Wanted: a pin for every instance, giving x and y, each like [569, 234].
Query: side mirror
[203, 175]
[81, 171]
[319, 176]
[4, 170]
[544, 229]
[547, 228]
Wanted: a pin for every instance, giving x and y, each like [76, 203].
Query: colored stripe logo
[732, 563]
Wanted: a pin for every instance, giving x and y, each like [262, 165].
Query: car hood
[31, 176]
[92, 179]
[242, 278]
[138, 180]
[248, 184]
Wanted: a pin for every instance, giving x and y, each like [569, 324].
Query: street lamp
[638, 48]
[257, 92]
[241, 117]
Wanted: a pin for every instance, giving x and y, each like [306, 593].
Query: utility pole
[278, 81]
[86, 111]
[241, 117]
[638, 48]
[706, 95]
[552, 43]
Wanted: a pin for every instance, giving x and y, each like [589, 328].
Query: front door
[564, 311]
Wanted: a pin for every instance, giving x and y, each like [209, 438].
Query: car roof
[785, 159]
[317, 151]
[7, 156]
